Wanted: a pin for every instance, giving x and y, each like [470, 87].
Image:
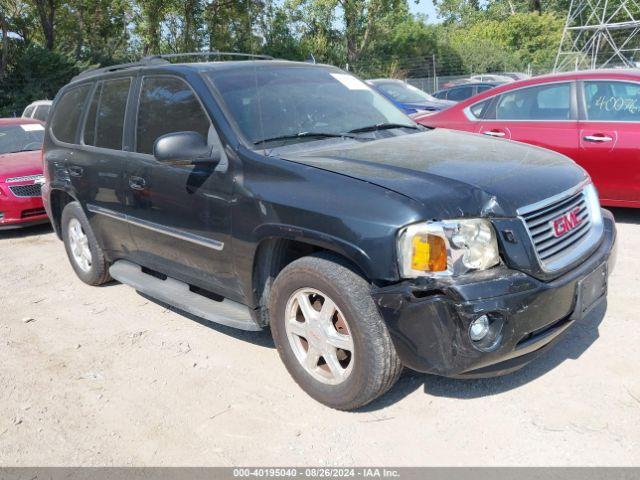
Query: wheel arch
[58, 199]
[280, 245]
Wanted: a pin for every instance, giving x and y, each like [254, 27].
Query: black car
[267, 193]
[461, 92]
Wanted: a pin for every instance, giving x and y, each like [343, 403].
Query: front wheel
[330, 334]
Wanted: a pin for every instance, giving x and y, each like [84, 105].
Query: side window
[484, 88]
[67, 113]
[167, 105]
[42, 112]
[546, 102]
[460, 93]
[105, 121]
[476, 110]
[28, 112]
[612, 101]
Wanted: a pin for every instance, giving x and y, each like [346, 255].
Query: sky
[425, 6]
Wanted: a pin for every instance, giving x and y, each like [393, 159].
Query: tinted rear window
[105, 120]
[42, 113]
[66, 115]
[459, 94]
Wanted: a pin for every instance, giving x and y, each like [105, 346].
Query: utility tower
[600, 34]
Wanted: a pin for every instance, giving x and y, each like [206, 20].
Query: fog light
[479, 328]
[485, 331]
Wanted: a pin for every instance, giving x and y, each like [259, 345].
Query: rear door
[543, 115]
[179, 215]
[96, 166]
[610, 139]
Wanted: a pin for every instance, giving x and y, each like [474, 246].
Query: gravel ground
[104, 376]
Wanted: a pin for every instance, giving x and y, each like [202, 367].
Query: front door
[542, 115]
[179, 215]
[609, 139]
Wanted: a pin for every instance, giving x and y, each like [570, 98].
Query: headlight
[449, 247]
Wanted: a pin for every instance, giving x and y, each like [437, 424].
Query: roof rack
[209, 54]
[163, 60]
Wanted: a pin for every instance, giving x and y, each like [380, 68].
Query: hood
[20, 164]
[453, 174]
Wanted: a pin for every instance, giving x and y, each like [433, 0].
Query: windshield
[21, 138]
[404, 93]
[307, 103]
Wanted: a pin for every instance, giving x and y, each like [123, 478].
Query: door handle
[598, 138]
[137, 183]
[75, 171]
[494, 133]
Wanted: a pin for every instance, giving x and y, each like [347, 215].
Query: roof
[474, 83]
[155, 63]
[604, 72]
[19, 121]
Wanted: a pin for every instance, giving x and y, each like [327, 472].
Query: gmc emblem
[565, 223]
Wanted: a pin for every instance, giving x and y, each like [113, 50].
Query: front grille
[555, 250]
[32, 212]
[33, 190]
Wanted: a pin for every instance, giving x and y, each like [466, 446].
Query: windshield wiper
[303, 135]
[382, 126]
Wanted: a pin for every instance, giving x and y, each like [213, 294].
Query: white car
[38, 110]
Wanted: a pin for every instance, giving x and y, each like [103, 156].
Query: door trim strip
[155, 227]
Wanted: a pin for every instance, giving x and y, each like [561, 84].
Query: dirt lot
[103, 376]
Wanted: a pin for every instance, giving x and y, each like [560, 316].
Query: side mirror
[184, 148]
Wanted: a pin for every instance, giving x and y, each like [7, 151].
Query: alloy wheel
[319, 336]
[79, 245]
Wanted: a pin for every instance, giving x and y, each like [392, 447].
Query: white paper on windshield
[32, 127]
[352, 83]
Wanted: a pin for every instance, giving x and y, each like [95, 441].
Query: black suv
[264, 193]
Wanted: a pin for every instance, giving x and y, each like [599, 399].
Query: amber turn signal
[429, 253]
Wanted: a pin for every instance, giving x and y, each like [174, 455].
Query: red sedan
[592, 117]
[21, 172]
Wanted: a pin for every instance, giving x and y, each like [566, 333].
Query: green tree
[36, 74]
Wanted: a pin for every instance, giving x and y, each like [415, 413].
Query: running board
[177, 294]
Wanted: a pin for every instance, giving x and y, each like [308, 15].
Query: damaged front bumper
[429, 319]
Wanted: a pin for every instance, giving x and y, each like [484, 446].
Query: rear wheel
[329, 333]
[84, 252]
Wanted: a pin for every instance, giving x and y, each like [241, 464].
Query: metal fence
[433, 84]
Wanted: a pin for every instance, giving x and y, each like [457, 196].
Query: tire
[366, 372]
[96, 270]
